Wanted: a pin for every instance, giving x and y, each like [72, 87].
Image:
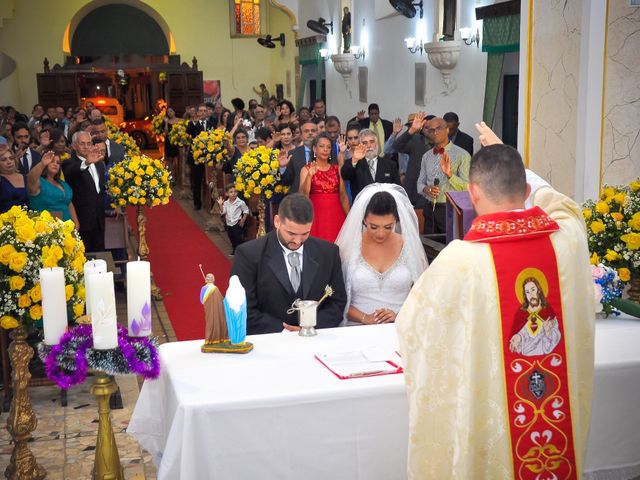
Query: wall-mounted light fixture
[465, 34]
[357, 51]
[413, 45]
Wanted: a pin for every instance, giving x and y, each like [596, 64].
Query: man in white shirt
[84, 172]
[235, 213]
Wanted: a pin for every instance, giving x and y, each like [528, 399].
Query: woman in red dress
[321, 182]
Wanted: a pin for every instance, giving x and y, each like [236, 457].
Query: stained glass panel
[246, 17]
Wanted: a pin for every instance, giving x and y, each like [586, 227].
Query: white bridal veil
[350, 237]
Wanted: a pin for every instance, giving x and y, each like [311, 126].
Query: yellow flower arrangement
[157, 123]
[111, 127]
[30, 241]
[210, 147]
[139, 180]
[131, 148]
[613, 227]
[257, 172]
[178, 135]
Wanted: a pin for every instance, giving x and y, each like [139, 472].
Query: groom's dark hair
[296, 208]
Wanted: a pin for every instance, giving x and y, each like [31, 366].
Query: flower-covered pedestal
[210, 147]
[138, 182]
[613, 227]
[157, 126]
[30, 241]
[257, 173]
[179, 137]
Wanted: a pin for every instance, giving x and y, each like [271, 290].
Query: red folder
[396, 369]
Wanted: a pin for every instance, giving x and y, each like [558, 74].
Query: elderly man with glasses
[444, 167]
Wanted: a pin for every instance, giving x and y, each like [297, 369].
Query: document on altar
[355, 364]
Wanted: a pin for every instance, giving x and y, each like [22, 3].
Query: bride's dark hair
[382, 203]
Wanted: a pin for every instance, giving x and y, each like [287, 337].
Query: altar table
[277, 413]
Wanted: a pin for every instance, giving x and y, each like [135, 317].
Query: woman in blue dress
[12, 183]
[48, 192]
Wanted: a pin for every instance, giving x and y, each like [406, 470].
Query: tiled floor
[65, 438]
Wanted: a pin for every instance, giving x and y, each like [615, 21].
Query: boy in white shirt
[235, 213]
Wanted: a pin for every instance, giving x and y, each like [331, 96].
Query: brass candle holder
[107, 460]
[261, 218]
[22, 420]
[137, 355]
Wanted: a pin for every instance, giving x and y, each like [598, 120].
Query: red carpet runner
[176, 247]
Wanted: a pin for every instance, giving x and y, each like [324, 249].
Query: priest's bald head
[497, 180]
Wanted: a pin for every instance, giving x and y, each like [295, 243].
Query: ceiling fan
[268, 41]
[320, 26]
[407, 8]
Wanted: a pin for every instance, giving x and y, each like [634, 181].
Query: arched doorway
[122, 49]
[118, 29]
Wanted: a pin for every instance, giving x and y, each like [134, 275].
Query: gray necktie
[294, 260]
[372, 168]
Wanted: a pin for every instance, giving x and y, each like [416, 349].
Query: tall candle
[139, 298]
[54, 304]
[103, 311]
[91, 267]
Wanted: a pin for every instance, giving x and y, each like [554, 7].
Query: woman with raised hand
[47, 191]
[321, 182]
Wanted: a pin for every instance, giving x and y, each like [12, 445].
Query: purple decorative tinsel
[80, 337]
[81, 333]
[126, 344]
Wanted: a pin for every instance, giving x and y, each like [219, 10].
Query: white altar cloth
[278, 413]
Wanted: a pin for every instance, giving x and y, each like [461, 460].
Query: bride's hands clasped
[384, 315]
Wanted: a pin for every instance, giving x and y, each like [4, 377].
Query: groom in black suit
[287, 264]
[366, 167]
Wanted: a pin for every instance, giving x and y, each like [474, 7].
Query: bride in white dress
[381, 252]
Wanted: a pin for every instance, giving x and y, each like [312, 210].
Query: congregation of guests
[58, 160]
[350, 217]
[331, 162]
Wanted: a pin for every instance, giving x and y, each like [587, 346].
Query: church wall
[391, 66]
[283, 58]
[33, 32]
[201, 30]
[583, 125]
[621, 152]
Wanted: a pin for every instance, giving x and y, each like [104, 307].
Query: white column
[588, 134]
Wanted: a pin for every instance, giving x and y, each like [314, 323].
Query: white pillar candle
[54, 304]
[103, 311]
[139, 298]
[91, 267]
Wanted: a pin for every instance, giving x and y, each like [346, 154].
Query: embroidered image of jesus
[535, 325]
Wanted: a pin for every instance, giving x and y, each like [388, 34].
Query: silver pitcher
[307, 316]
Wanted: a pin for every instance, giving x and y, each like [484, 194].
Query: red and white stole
[533, 341]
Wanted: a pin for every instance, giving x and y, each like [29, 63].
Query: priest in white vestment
[484, 404]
